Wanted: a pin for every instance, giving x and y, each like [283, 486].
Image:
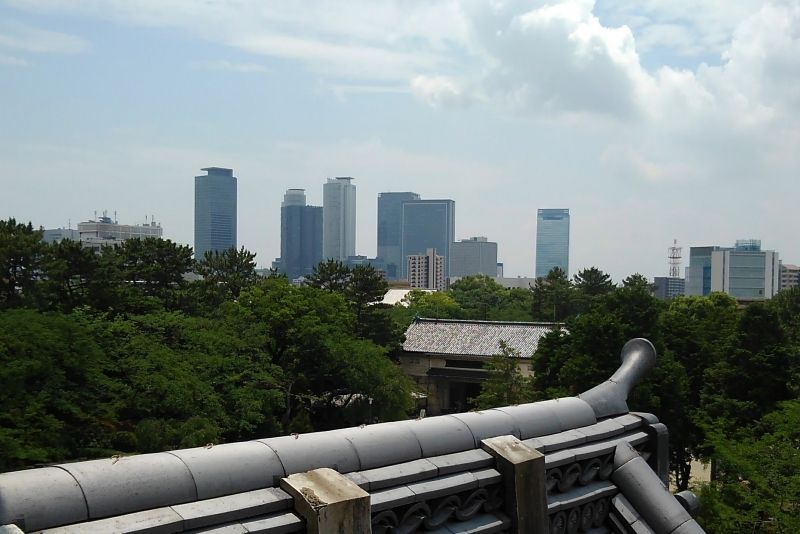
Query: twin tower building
[407, 225]
[411, 231]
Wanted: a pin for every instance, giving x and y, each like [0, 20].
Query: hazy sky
[649, 120]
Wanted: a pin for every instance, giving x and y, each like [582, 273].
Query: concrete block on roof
[158, 521]
[231, 468]
[39, 498]
[394, 475]
[384, 444]
[534, 420]
[10, 529]
[462, 461]
[523, 472]
[305, 452]
[274, 524]
[121, 485]
[488, 424]
[440, 435]
[232, 507]
[329, 502]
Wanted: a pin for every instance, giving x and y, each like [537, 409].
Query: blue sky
[651, 121]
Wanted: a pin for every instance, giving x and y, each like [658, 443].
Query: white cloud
[231, 66]
[23, 37]
[439, 91]
[12, 61]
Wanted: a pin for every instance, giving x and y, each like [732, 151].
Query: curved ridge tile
[440, 435]
[384, 444]
[535, 419]
[488, 424]
[303, 452]
[114, 486]
[231, 468]
[41, 498]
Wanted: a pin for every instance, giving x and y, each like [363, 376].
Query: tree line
[121, 352]
[139, 348]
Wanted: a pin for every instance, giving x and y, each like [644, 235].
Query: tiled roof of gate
[473, 338]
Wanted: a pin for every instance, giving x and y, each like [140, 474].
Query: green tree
[477, 296]
[553, 296]
[55, 400]
[21, 251]
[757, 487]
[224, 275]
[330, 275]
[505, 384]
[593, 282]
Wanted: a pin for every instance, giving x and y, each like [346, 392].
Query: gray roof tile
[473, 338]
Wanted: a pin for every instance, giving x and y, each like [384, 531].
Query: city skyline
[644, 119]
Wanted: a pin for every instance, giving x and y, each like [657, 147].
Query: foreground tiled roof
[575, 464]
[473, 338]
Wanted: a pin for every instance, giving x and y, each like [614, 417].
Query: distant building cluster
[417, 245]
[102, 232]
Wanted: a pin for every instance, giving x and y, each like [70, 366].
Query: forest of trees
[120, 352]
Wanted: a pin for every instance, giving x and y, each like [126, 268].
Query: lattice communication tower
[674, 257]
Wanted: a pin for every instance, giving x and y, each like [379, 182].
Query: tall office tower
[338, 219]
[301, 235]
[427, 224]
[552, 241]
[476, 255]
[390, 228]
[426, 271]
[214, 211]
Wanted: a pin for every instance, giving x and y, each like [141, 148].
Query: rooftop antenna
[674, 257]
[115, 217]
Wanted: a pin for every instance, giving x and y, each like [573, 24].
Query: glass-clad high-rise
[390, 227]
[427, 224]
[552, 241]
[338, 218]
[214, 211]
[301, 235]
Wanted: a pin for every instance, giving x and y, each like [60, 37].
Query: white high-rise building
[338, 219]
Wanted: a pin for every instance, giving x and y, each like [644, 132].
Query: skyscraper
[390, 227]
[427, 224]
[552, 241]
[338, 219]
[476, 255]
[214, 211]
[301, 235]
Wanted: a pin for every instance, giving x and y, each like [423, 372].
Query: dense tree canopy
[137, 348]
